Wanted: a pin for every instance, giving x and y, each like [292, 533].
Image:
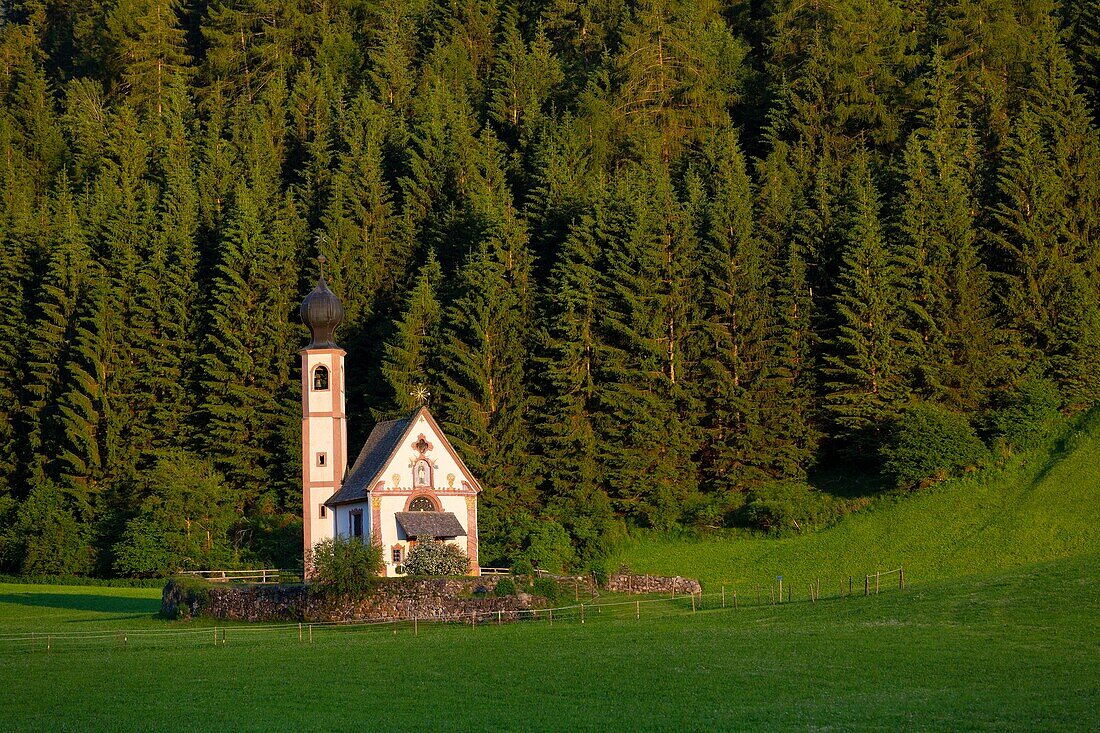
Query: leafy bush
[48, 535]
[523, 566]
[1027, 415]
[346, 567]
[789, 505]
[505, 587]
[432, 557]
[928, 444]
[185, 596]
[549, 547]
[547, 588]
[184, 521]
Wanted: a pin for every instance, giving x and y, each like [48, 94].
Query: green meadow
[1009, 650]
[998, 628]
[1039, 506]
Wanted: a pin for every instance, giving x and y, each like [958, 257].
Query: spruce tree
[412, 356]
[646, 440]
[737, 325]
[863, 382]
[952, 346]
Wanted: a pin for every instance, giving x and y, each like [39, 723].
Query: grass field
[998, 629]
[1012, 650]
[1040, 506]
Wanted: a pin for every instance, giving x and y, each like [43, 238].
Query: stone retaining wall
[440, 599]
[632, 583]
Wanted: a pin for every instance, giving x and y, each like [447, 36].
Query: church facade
[407, 483]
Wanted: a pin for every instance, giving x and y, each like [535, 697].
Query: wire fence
[727, 598]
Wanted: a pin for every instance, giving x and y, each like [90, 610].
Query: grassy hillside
[1013, 650]
[1040, 506]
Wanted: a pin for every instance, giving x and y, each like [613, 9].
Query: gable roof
[379, 450]
[380, 446]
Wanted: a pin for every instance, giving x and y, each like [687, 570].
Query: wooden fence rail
[262, 576]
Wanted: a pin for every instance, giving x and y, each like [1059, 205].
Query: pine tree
[735, 333]
[153, 52]
[678, 71]
[863, 384]
[646, 443]
[412, 357]
[245, 362]
[524, 77]
[946, 298]
[788, 408]
[566, 368]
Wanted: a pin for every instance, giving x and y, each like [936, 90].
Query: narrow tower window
[322, 458]
[320, 378]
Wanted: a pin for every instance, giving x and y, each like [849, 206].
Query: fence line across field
[729, 598]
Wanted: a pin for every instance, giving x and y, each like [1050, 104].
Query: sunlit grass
[1040, 506]
[1012, 650]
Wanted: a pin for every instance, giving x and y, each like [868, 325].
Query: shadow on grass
[81, 602]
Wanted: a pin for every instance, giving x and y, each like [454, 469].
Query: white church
[407, 482]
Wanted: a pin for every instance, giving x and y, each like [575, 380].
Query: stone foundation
[632, 583]
[437, 599]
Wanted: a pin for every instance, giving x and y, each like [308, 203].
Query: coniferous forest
[661, 263]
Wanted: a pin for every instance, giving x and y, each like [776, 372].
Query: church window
[397, 556]
[421, 504]
[322, 459]
[324, 511]
[320, 379]
[356, 517]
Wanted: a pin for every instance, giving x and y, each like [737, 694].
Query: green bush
[547, 588]
[432, 557]
[928, 444]
[548, 546]
[1027, 415]
[191, 595]
[346, 567]
[523, 566]
[789, 506]
[505, 587]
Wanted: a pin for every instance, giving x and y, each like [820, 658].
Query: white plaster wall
[320, 528]
[321, 441]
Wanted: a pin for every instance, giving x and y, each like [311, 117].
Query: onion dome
[322, 311]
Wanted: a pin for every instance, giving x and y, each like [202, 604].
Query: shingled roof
[381, 444]
[430, 524]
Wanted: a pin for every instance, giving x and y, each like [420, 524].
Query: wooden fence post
[637, 609]
[901, 577]
[876, 582]
[723, 596]
[693, 603]
[416, 627]
[582, 613]
[866, 585]
[498, 618]
[735, 598]
[215, 636]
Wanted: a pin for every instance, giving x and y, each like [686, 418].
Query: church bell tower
[324, 424]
